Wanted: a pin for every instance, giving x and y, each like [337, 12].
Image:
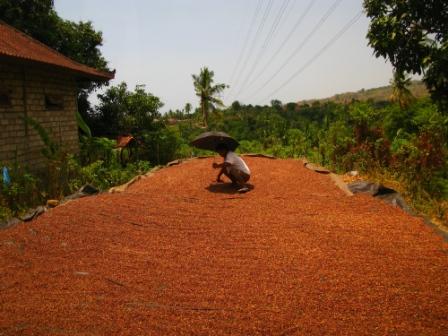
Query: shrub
[103, 176]
[297, 144]
[22, 192]
[159, 147]
[335, 144]
[251, 146]
[93, 149]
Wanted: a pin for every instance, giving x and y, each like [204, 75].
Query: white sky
[161, 43]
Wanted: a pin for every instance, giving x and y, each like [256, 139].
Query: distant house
[38, 82]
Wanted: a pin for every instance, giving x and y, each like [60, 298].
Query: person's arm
[223, 166]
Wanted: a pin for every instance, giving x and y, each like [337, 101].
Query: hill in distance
[379, 94]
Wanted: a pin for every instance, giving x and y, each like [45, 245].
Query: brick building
[38, 82]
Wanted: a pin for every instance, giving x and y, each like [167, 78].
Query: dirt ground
[177, 255]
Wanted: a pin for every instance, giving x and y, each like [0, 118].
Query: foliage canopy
[413, 35]
[207, 92]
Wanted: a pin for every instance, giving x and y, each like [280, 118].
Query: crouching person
[233, 167]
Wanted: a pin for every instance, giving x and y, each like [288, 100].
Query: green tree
[400, 90]
[236, 106]
[207, 92]
[36, 18]
[412, 35]
[363, 116]
[296, 142]
[188, 109]
[39, 19]
[277, 104]
[123, 111]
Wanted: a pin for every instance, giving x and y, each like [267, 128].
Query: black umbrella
[209, 141]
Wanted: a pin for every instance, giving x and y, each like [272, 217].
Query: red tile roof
[18, 45]
[124, 140]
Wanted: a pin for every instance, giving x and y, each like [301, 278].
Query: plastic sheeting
[379, 191]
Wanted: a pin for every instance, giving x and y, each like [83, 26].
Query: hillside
[382, 93]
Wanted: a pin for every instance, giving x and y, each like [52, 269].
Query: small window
[54, 102]
[5, 97]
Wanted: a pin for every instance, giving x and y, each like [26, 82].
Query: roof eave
[99, 75]
[102, 76]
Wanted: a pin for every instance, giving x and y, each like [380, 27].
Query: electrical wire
[335, 38]
[286, 40]
[266, 43]
[276, 23]
[319, 24]
[246, 40]
[252, 45]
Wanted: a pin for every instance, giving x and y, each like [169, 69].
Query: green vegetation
[136, 113]
[207, 92]
[413, 36]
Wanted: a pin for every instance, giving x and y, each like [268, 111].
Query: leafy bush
[184, 151]
[5, 213]
[250, 146]
[335, 145]
[103, 176]
[159, 147]
[23, 191]
[93, 149]
[296, 143]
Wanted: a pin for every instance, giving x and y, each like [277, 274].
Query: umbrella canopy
[209, 141]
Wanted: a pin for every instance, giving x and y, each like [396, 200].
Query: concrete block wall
[28, 86]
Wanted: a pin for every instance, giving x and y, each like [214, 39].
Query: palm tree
[207, 92]
[400, 89]
[187, 109]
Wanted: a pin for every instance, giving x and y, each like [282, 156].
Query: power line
[251, 48]
[246, 41]
[319, 24]
[266, 42]
[276, 23]
[335, 38]
[252, 45]
[286, 40]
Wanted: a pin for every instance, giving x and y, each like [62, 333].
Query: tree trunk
[204, 112]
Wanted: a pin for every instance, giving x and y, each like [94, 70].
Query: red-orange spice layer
[294, 256]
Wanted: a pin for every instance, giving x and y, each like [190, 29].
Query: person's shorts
[238, 174]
